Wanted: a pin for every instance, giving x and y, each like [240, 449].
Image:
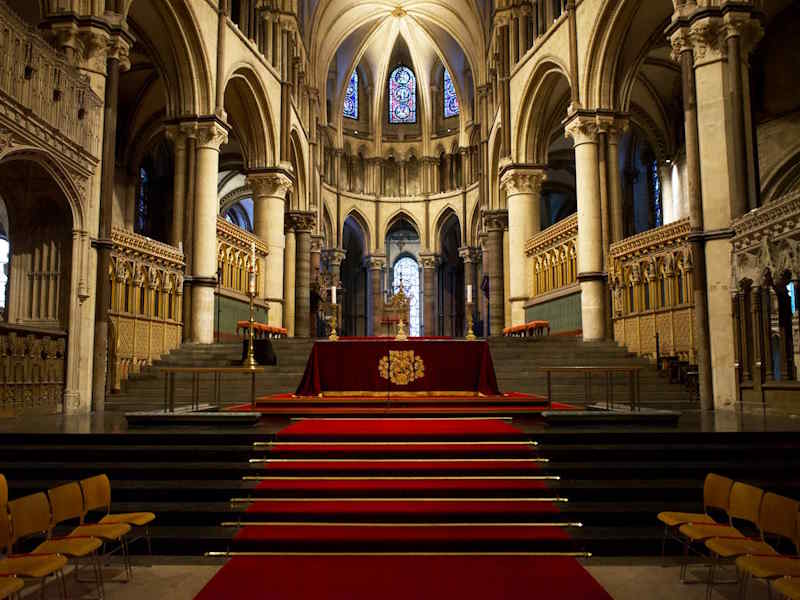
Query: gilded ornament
[401, 367]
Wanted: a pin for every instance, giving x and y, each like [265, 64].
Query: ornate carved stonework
[272, 184]
[523, 179]
[582, 128]
[301, 221]
[211, 134]
[429, 260]
[495, 220]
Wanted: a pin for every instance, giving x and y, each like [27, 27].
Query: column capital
[495, 220]
[582, 127]
[316, 243]
[518, 179]
[274, 182]
[375, 262]
[301, 221]
[469, 254]
[744, 26]
[334, 256]
[705, 31]
[429, 260]
[211, 133]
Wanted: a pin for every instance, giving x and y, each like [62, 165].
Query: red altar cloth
[414, 366]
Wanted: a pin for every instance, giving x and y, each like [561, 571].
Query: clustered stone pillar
[429, 262]
[496, 222]
[335, 258]
[210, 136]
[316, 267]
[303, 223]
[470, 257]
[717, 178]
[583, 129]
[289, 274]
[376, 264]
[269, 197]
[523, 186]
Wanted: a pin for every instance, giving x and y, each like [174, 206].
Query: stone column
[269, 198]
[583, 129]
[523, 186]
[496, 222]
[483, 271]
[429, 262]
[303, 223]
[179, 145]
[335, 257]
[470, 256]
[714, 180]
[615, 180]
[376, 264]
[289, 274]
[210, 136]
[316, 266]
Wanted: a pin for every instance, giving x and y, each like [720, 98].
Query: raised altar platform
[381, 366]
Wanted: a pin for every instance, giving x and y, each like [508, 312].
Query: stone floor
[173, 578]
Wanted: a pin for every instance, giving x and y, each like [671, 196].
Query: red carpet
[345, 503]
[403, 578]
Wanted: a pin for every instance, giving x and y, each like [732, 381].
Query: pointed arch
[363, 224]
[248, 108]
[396, 216]
[447, 213]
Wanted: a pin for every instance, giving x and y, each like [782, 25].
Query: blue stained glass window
[406, 273]
[450, 98]
[351, 98]
[402, 96]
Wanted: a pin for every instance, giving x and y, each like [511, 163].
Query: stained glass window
[402, 96]
[406, 272]
[657, 200]
[351, 98]
[450, 98]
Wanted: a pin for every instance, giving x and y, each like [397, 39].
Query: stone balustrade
[765, 286]
[49, 96]
[650, 281]
[554, 257]
[146, 302]
[234, 255]
[32, 370]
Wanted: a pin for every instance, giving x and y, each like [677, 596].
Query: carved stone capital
[334, 256]
[375, 262]
[522, 179]
[211, 134]
[469, 254]
[709, 40]
[316, 243]
[272, 183]
[495, 220]
[613, 126]
[745, 27]
[429, 260]
[301, 221]
[582, 128]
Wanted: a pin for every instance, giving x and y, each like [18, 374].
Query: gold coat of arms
[401, 367]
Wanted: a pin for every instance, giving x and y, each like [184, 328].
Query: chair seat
[137, 518]
[698, 533]
[769, 567]
[73, 546]
[789, 587]
[673, 519]
[31, 565]
[9, 585]
[727, 548]
[109, 531]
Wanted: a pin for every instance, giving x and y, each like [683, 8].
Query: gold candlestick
[333, 337]
[470, 334]
[250, 361]
[401, 332]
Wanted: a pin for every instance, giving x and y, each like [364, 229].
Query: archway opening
[450, 289]
[405, 276]
[402, 241]
[354, 279]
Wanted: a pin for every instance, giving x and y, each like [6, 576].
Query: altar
[384, 366]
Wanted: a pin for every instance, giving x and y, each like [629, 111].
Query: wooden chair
[9, 586]
[716, 496]
[788, 587]
[745, 504]
[16, 567]
[67, 504]
[770, 566]
[97, 497]
[31, 516]
[777, 518]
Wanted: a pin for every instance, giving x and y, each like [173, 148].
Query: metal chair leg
[712, 568]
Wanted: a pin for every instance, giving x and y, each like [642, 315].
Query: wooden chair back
[30, 515]
[66, 502]
[746, 502]
[717, 492]
[779, 516]
[3, 491]
[96, 493]
[5, 531]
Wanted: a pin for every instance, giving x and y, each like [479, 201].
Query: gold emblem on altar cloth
[401, 367]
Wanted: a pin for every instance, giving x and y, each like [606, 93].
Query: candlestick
[252, 282]
[470, 334]
[469, 294]
[333, 294]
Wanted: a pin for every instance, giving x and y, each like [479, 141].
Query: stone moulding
[553, 236]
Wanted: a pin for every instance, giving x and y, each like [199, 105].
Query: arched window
[351, 98]
[402, 96]
[406, 273]
[450, 98]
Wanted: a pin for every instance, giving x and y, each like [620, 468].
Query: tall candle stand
[333, 337]
[470, 334]
[250, 361]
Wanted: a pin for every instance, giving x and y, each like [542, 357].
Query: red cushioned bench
[531, 329]
[262, 330]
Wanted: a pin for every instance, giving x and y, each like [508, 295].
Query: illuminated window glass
[406, 273]
[450, 98]
[402, 96]
[351, 98]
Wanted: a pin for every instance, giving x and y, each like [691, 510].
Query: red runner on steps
[398, 577]
[405, 484]
[406, 429]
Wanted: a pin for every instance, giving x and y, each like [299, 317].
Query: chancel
[383, 299]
